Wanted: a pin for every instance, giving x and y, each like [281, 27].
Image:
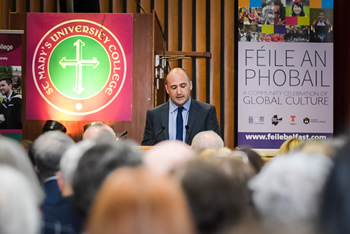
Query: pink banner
[11, 82]
[10, 48]
[79, 66]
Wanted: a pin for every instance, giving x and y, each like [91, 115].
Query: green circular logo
[73, 68]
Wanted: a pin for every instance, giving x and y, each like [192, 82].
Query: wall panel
[173, 29]
[131, 6]
[5, 8]
[34, 6]
[215, 49]
[146, 5]
[229, 74]
[49, 6]
[201, 63]
[104, 6]
[21, 6]
[187, 34]
[159, 9]
[117, 6]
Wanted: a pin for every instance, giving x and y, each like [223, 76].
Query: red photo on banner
[11, 83]
[79, 66]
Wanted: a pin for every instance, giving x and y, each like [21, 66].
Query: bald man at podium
[182, 117]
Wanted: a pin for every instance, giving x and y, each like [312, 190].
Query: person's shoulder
[16, 95]
[160, 107]
[201, 104]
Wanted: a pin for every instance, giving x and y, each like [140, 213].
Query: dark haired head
[7, 79]
[299, 4]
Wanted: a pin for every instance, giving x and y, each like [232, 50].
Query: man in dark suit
[48, 149]
[11, 106]
[181, 118]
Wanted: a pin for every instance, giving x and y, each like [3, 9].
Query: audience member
[316, 146]
[84, 175]
[68, 165]
[212, 153]
[12, 154]
[287, 190]
[19, 212]
[26, 144]
[335, 205]
[166, 155]
[215, 201]
[101, 133]
[206, 140]
[52, 125]
[48, 149]
[138, 201]
[254, 158]
[240, 172]
[95, 164]
[289, 145]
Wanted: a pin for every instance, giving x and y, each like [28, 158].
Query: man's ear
[166, 88]
[190, 85]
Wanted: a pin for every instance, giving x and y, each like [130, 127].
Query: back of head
[335, 204]
[94, 166]
[19, 211]
[138, 201]
[101, 133]
[166, 155]
[210, 194]
[287, 190]
[239, 171]
[48, 149]
[70, 160]
[13, 155]
[254, 158]
[52, 125]
[289, 145]
[207, 140]
[316, 146]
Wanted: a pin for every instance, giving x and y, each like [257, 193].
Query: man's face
[178, 86]
[276, 14]
[5, 88]
[296, 9]
[321, 16]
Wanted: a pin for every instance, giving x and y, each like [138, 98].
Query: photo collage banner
[285, 71]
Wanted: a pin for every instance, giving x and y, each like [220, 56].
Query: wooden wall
[208, 26]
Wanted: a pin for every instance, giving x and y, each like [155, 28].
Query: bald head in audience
[100, 133]
[207, 140]
[166, 155]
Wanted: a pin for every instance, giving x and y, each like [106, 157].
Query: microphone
[160, 131]
[187, 132]
[121, 135]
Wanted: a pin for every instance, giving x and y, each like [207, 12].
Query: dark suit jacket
[58, 210]
[202, 117]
